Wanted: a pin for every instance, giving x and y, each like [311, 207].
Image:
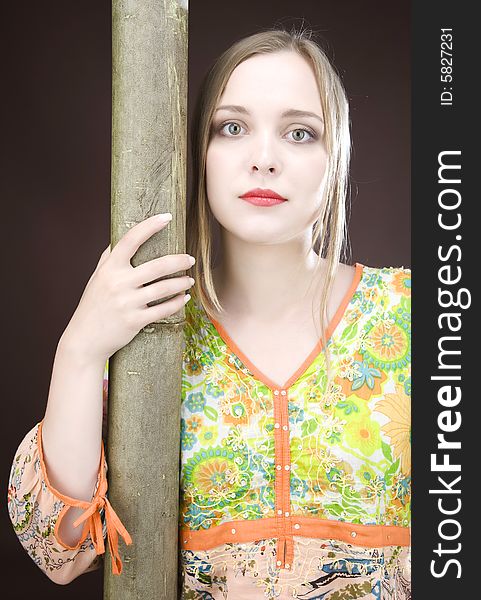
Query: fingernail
[164, 216]
[187, 298]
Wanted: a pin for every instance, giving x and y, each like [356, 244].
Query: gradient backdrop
[56, 104]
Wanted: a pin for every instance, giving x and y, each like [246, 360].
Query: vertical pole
[149, 141]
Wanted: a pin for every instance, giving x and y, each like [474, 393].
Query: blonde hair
[329, 231]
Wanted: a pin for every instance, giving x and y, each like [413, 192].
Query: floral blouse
[300, 490]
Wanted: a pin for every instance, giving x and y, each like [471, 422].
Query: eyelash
[309, 131]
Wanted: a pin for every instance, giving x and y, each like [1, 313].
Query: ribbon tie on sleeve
[94, 525]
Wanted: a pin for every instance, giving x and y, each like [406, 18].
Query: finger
[160, 267]
[131, 241]
[165, 309]
[103, 257]
[164, 289]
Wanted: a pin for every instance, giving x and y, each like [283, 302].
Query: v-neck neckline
[233, 348]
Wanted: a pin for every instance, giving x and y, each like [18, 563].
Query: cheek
[217, 179]
[319, 172]
[216, 167]
[309, 173]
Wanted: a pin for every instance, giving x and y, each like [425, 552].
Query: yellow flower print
[363, 433]
[401, 283]
[397, 407]
[208, 435]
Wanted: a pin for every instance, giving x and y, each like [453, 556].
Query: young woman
[295, 421]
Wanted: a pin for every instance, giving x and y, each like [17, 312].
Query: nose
[264, 159]
[263, 169]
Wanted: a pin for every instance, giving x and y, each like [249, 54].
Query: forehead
[283, 78]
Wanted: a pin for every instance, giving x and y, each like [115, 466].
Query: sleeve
[36, 510]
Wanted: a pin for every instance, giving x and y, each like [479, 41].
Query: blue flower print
[366, 377]
[195, 402]
[188, 440]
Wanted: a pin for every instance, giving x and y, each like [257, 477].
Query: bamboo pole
[149, 141]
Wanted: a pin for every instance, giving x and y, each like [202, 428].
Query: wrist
[76, 350]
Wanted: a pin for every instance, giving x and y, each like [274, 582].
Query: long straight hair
[329, 231]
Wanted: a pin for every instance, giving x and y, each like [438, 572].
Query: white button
[283, 392]
[276, 392]
[185, 541]
[353, 534]
[297, 526]
[277, 425]
[287, 467]
[287, 565]
[285, 428]
[279, 467]
[233, 531]
[286, 514]
[279, 563]
[279, 512]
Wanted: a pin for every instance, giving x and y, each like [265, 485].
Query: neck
[262, 281]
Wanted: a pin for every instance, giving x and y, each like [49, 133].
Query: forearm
[72, 429]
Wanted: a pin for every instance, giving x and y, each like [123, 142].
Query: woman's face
[257, 146]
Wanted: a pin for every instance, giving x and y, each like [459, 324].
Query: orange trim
[371, 536]
[234, 348]
[91, 516]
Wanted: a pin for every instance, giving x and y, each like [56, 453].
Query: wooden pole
[149, 141]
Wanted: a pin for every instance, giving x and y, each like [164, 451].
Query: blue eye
[231, 124]
[304, 131]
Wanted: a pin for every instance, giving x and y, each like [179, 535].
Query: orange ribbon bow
[114, 526]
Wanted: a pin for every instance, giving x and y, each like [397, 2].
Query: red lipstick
[263, 197]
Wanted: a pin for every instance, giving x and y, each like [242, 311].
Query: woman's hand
[114, 305]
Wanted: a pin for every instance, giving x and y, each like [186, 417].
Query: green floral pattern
[339, 447]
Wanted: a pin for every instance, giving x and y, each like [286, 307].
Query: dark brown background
[56, 177]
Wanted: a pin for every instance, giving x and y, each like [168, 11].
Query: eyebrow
[287, 113]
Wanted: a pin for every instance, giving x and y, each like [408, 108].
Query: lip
[263, 197]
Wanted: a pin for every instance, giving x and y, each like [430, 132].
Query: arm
[55, 483]
[42, 508]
